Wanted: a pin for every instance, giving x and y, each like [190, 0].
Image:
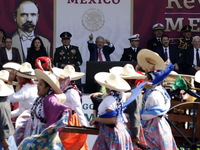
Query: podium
[93, 67]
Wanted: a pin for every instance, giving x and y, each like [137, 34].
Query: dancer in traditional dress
[39, 127]
[112, 133]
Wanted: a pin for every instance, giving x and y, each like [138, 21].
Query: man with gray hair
[101, 50]
[192, 59]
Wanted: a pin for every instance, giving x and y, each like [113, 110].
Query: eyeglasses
[8, 42]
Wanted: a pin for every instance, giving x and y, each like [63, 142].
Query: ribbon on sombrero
[136, 92]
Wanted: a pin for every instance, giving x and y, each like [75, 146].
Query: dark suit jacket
[129, 54]
[173, 55]
[153, 44]
[189, 57]
[94, 52]
[4, 59]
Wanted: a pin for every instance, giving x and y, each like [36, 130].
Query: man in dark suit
[68, 55]
[156, 41]
[168, 52]
[9, 53]
[101, 50]
[130, 54]
[192, 57]
[184, 43]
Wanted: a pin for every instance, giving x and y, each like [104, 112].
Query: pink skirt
[158, 134]
[113, 138]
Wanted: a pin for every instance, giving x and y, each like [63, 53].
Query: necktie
[197, 57]
[66, 48]
[100, 56]
[158, 40]
[166, 56]
[25, 38]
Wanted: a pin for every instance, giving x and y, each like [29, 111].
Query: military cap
[65, 35]
[134, 37]
[186, 28]
[158, 26]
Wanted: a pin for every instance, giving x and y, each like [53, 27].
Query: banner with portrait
[24, 20]
[108, 18]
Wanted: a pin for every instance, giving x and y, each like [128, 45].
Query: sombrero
[4, 75]
[112, 81]
[26, 71]
[61, 97]
[11, 65]
[5, 89]
[68, 71]
[50, 78]
[197, 76]
[126, 72]
[147, 59]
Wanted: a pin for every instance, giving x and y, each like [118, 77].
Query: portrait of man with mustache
[26, 14]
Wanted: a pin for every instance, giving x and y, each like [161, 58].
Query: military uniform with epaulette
[68, 55]
[182, 45]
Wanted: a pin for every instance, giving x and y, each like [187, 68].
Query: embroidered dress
[157, 131]
[73, 141]
[113, 138]
[38, 129]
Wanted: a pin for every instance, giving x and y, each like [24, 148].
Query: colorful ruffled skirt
[158, 134]
[48, 138]
[141, 135]
[74, 141]
[116, 138]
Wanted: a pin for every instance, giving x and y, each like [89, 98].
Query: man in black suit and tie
[156, 41]
[130, 54]
[192, 56]
[168, 52]
[101, 50]
[9, 53]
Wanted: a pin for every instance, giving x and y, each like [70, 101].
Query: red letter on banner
[92, 1]
[73, 1]
[115, 2]
[106, 2]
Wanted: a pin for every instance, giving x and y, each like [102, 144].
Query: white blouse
[25, 96]
[110, 103]
[157, 97]
[73, 101]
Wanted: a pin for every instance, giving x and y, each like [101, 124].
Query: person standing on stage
[101, 49]
[68, 55]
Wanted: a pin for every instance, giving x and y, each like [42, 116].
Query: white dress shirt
[26, 40]
[73, 101]
[195, 58]
[9, 53]
[134, 49]
[25, 96]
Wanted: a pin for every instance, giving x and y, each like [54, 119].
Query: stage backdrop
[173, 14]
[44, 26]
[108, 18]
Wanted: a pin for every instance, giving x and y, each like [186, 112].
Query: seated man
[130, 54]
[168, 52]
[100, 51]
[156, 41]
[9, 53]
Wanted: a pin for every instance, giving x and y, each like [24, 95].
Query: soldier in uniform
[68, 55]
[130, 54]
[156, 41]
[184, 43]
